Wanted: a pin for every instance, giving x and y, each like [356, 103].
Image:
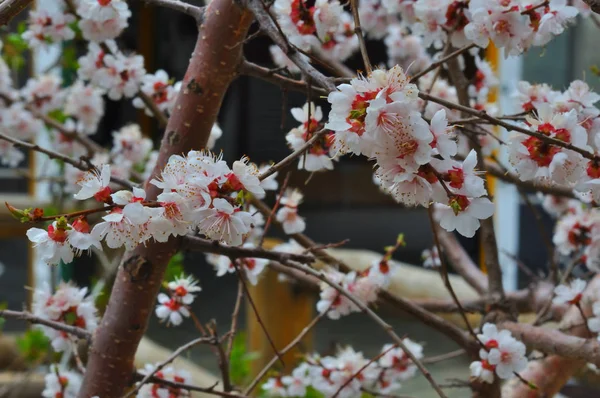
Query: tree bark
[212, 67]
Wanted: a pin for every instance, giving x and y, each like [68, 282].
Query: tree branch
[212, 68]
[29, 317]
[195, 243]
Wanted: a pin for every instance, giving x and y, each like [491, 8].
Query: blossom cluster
[97, 20]
[502, 354]
[378, 116]
[577, 233]
[68, 305]
[168, 373]
[348, 373]
[64, 383]
[569, 117]
[324, 25]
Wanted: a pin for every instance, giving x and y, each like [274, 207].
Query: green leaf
[22, 27]
[69, 59]
[50, 210]
[58, 115]
[239, 364]
[33, 345]
[311, 392]
[3, 306]
[174, 268]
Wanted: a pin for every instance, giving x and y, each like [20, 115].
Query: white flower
[86, 104]
[94, 183]
[68, 305]
[246, 174]
[287, 214]
[215, 134]
[431, 258]
[61, 383]
[158, 87]
[184, 288]
[274, 387]
[442, 139]
[508, 357]
[44, 93]
[569, 294]
[224, 223]
[103, 10]
[150, 390]
[171, 310]
[133, 208]
[483, 371]
[331, 300]
[395, 360]
[463, 214]
[47, 26]
[130, 144]
[270, 183]
[99, 31]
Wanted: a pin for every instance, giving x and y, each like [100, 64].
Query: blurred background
[341, 204]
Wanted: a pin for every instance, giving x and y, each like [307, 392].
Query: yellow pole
[492, 55]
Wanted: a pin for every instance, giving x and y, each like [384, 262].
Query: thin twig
[441, 61]
[27, 316]
[283, 351]
[255, 310]
[291, 157]
[444, 357]
[376, 318]
[274, 209]
[193, 11]
[357, 373]
[171, 358]
[234, 318]
[195, 243]
[361, 44]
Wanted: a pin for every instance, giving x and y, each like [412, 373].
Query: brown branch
[294, 155]
[195, 243]
[371, 314]
[11, 8]
[189, 9]
[363, 49]
[441, 61]
[268, 26]
[283, 351]
[189, 345]
[461, 261]
[29, 317]
[78, 164]
[189, 387]
[446, 278]
[429, 319]
[212, 68]
[510, 127]
[250, 69]
[234, 317]
[555, 342]
[255, 310]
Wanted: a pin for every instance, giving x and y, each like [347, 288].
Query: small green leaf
[174, 268]
[33, 345]
[22, 27]
[58, 115]
[239, 365]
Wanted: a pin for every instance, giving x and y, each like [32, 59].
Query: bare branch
[371, 314]
[361, 44]
[291, 157]
[195, 243]
[79, 164]
[29, 317]
[461, 261]
[171, 358]
[268, 26]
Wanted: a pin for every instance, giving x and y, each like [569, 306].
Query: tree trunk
[212, 67]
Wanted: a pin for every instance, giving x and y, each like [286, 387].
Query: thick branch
[195, 243]
[212, 67]
[555, 342]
